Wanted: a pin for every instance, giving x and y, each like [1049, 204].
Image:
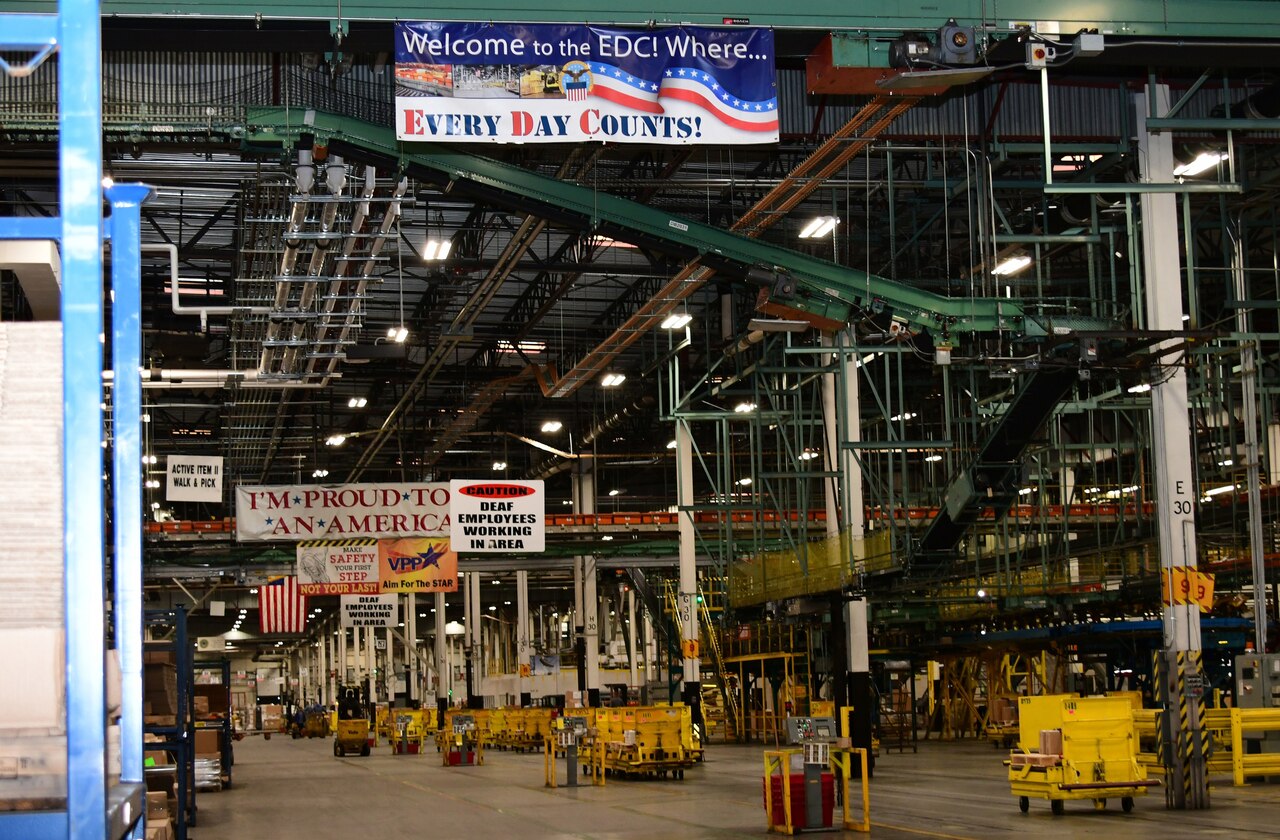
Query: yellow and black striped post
[1184, 750]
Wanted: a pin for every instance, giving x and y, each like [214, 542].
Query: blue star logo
[320, 522]
[404, 496]
[297, 500]
[270, 520]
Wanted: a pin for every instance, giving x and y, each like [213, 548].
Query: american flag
[280, 608]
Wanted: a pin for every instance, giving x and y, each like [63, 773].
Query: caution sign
[1187, 585]
[338, 567]
[369, 610]
[494, 517]
[689, 647]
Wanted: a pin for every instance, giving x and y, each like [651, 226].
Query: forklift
[352, 734]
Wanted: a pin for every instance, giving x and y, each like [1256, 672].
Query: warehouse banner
[338, 567]
[369, 610]
[417, 565]
[314, 511]
[497, 516]
[193, 478]
[553, 83]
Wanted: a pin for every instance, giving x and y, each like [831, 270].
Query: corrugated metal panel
[183, 86]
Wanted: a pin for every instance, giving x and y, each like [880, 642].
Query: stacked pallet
[32, 706]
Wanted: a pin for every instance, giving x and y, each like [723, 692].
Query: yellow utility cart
[1073, 747]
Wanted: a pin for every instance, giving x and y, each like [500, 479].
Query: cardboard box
[160, 829]
[1051, 741]
[157, 806]
[162, 656]
[201, 705]
[272, 717]
[207, 742]
[214, 698]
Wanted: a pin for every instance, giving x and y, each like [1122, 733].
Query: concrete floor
[297, 790]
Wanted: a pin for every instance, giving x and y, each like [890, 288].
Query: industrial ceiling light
[1011, 265]
[932, 459]
[1226, 488]
[909, 415]
[335, 440]
[677, 321]
[552, 426]
[744, 408]
[398, 334]
[819, 227]
[1202, 163]
[745, 481]
[808, 455]
[1140, 388]
[613, 380]
[615, 492]
[319, 473]
[436, 250]
[671, 444]
[357, 402]
[498, 466]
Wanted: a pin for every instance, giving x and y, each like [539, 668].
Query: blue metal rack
[178, 739]
[94, 808]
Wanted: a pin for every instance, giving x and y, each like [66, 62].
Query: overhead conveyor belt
[993, 479]
[828, 292]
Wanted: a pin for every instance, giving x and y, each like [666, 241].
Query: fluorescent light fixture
[613, 380]
[153, 484]
[148, 459]
[671, 444]
[982, 593]
[1140, 388]
[527, 346]
[319, 473]
[1025, 491]
[744, 408]
[1011, 265]
[1226, 488]
[552, 426]
[745, 481]
[909, 415]
[819, 227]
[615, 492]
[335, 440]
[357, 402]
[1203, 162]
[932, 459]
[677, 321]
[436, 249]
[606, 538]
[1223, 463]
[808, 455]
[498, 466]
[398, 334]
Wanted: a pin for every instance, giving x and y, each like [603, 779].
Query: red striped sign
[281, 609]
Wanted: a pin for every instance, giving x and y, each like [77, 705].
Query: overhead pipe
[614, 420]
[304, 181]
[389, 218]
[203, 311]
[335, 180]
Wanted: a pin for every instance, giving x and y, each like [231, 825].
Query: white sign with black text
[369, 610]
[194, 478]
[488, 517]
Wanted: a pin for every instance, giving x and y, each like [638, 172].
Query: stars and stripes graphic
[700, 88]
[626, 89]
[687, 84]
[281, 608]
